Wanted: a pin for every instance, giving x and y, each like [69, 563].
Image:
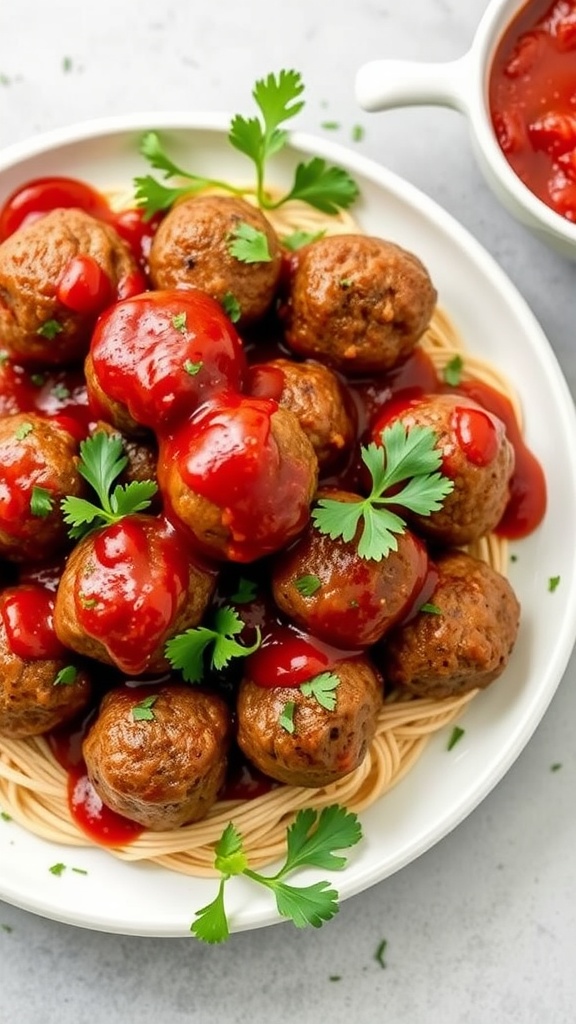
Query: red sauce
[42, 195]
[136, 586]
[289, 657]
[27, 611]
[477, 434]
[532, 94]
[84, 287]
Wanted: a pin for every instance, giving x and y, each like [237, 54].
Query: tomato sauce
[532, 94]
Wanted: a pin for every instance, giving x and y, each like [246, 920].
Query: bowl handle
[382, 84]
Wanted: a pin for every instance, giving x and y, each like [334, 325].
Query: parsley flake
[193, 368]
[286, 717]
[307, 585]
[186, 651]
[179, 322]
[248, 244]
[50, 329]
[406, 456]
[66, 676]
[298, 239]
[245, 592]
[553, 584]
[311, 841]
[142, 712]
[41, 502]
[430, 608]
[453, 371]
[57, 869]
[231, 307]
[322, 687]
[101, 462]
[455, 737]
[60, 391]
[380, 952]
[23, 430]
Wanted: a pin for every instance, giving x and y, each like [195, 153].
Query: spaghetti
[33, 785]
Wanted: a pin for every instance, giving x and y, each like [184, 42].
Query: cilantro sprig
[407, 457]
[101, 462]
[277, 98]
[311, 841]
[186, 651]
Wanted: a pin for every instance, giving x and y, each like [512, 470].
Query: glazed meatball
[40, 687]
[162, 768]
[316, 397]
[240, 476]
[156, 357]
[352, 601]
[126, 589]
[194, 247]
[466, 643]
[476, 455]
[325, 745]
[39, 467]
[38, 319]
[357, 303]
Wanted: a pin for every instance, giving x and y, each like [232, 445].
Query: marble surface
[482, 928]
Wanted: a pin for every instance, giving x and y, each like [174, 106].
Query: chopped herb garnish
[6, 928]
[23, 430]
[87, 602]
[453, 371]
[101, 462]
[60, 391]
[330, 126]
[322, 687]
[231, 307]
[249, 245]
[193, 368]
[380, 953]
[307, 585]
[41, 502]
[245, 592]
[66, 64]
[278, 100]
[57, 869]
[38, 379]
[5, 816]
[79, 871]
[286, 717]
[66, 676]
[345, 283]
[556, 766]
[4, 356]
[312, 840]
[358, 132]
[179, 322]
[430, 608]
[553, 583]
[298, 239]
[50, 329]
[406, 456]
[142, 712]
[455, 736]
[185, 652]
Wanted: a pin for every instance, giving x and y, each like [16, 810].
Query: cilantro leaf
[231, 307]
[66, 676]
[152, 195]
[308, 585]
[312, 840]
[185, 652]
[245, 592]
[101, 462]
[49, 329]
[142, 712]
[41, 502]
[407, 456]
[249, 245]
[297, 239]
[453, 371]
[286, 717]
[328, 189]
[322, 688]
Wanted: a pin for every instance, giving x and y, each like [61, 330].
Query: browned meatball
[37, 694]
[158, 755]
[39, 467]
[476, 455]
[35, 326]
[325, 745]
[358, 303]
[466, 643]
[327, 588]
[316, 397]
[240, 476]
[126, 589]
[194, 245]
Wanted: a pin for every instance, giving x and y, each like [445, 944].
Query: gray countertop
[482, 928]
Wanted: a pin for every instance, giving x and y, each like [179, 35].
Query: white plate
[442, 789]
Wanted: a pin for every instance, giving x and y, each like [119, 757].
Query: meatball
[126, 589]
[39, 318]
[39, 467]
[357, 303]
[324, 745]
[476, 455]
[162, 767]
[316, 397]
[325, 586]
[40, 687]
[466, 643]
[194, 246]
[240, 476]
[158, 356]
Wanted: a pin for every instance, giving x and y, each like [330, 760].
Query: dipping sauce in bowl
[532, 94]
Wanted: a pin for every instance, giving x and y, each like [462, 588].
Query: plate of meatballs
[282, 494]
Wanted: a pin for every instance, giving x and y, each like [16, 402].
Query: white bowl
[463, 85]
[442, 788]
